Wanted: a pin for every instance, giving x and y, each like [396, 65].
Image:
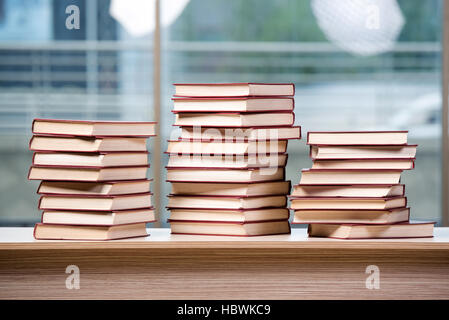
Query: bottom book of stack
[232, 222]
[409, 229]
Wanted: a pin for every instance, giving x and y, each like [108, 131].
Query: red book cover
[232, 84]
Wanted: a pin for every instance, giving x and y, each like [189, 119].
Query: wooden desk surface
[22, 238]
[164, 266]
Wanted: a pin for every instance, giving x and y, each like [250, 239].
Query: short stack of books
[94, 178]
[227, 168]
[353, 189]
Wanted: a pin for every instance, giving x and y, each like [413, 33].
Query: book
[225, 175]
[225, 147]
[70, 232]
[348, 203]
[234, 119]
[87, 144]
[239, 134]
[233, 89]
[356, 216]
[357, 138]
[107, 218]
[412, 229]
[402, 164]
[95, 203]
[362, 152]
[231, 189]
[114, 159]
[110, 188]
[93, 128]
[233, 104]
[225, 202]
[87, 174]
[228, 215]
[227, 161]
[349, 176]
[356, 190]
[230, 228]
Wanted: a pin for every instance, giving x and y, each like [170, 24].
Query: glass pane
[375, 83]
[49, 68]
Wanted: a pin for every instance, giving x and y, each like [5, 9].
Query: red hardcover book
[233, 104]
[95, 203]
[91, 174]
[228, 215]
[381, 203]
[196, 133]
[95, 218]
[238, 89]
[235, 119]
[351, 190]
[412, 229]
[93, 128]
[352, 152]
[90, 160]
[230, 228]
[351, 216]
[357, 138]
[88, 233]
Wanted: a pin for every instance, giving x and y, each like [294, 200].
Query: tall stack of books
[94, 179]
[227, 168]
[353, 189]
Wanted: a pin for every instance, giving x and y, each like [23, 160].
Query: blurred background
[361, 65]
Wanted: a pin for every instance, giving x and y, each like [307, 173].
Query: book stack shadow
[94, 179]
[353, 189]
[227, 167]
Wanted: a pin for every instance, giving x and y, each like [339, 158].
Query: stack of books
[227, 168]
[94, 179]
[353, 189]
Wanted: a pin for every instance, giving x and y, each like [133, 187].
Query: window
[102, 71]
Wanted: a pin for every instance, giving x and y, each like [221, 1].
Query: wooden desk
[165, 266]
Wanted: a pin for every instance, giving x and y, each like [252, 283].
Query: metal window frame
[445, 117]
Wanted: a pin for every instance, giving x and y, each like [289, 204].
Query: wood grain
[314, 270]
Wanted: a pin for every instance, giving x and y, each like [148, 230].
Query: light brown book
[230, 229]
[360, 190]
[229, 215]
[108, 218]
[239, 134]
[264, 188]
[348, 203]
[243, 120]
[363, 152]
[93, 128]
[233, 104]
[349, 176]
[351, 216]
[114, 159]
[225, 175]
[87, 144]
[227, 161]
[225, 202]
[218, 147]
[87, 174]
[401, 164]
[95, 203]
[71, 232]
[412, 229]
[233, 89]
[357, 137]
[94, 188]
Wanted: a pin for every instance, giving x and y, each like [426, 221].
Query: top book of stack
[93, 128]
[233, 89]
